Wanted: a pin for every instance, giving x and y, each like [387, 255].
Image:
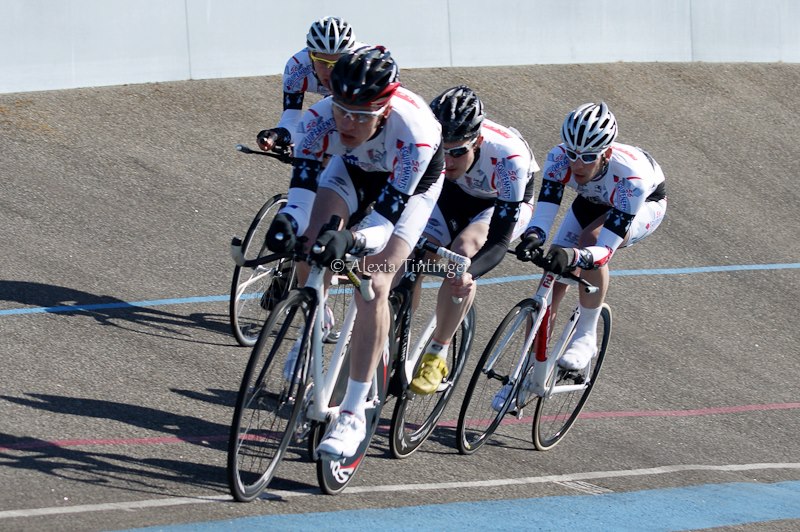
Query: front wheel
[494, 383]
[255, 291]
[415, 416]
[267, 406]
[334, 475]
[557, 411]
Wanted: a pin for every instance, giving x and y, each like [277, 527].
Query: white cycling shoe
[579, 352]
[500, 397]
[344, 437]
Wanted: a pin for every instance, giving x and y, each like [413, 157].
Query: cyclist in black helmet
[386, 148]
[486, 202]
[309, 70]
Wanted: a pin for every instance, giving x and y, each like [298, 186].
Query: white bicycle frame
[540, 382]
[325, 380]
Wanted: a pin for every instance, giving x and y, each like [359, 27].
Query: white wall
[55, 44]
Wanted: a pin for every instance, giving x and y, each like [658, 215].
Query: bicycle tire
[415, 416]
[254, 291]
[334, 475]
[555, 415]
[478, 419]
[267, 408]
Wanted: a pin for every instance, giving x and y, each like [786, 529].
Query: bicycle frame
[318, 409]
[535, 355]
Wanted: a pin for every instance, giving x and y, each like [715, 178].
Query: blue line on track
[685, 508]
[434, 284]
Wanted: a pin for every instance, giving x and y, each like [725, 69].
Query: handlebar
[282, 153]
[537, 257]
[462, 263]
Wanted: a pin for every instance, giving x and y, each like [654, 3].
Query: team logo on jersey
[315, 135]
[406, 163]
[506, 175]
[624, 191]
[297, 80]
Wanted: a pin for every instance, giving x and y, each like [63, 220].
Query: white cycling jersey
[398, 156]
[504, 168]
[298, 79]
[631, 179]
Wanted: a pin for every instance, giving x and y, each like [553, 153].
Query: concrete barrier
[57, 44]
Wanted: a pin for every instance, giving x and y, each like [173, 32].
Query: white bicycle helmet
[330, 35]
[589, 128]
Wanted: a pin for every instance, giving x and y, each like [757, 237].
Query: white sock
[355, 397]
[587, 321]
[437, 348]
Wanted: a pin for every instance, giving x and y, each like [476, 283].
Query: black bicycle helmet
[460, 112]
[365, 76]
[330, 35]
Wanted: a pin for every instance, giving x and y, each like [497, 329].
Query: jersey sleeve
[552, 191]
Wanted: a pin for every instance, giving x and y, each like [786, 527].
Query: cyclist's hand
[561, 260]
[333, 245]
[277, 139]
[528, 245]
[282, 234]
[266, 139]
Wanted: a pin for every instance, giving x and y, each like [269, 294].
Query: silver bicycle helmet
[460, 112]
[330, 35]
[591, 127]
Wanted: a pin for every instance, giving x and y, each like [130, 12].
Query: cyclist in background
[386, 148]
[621, 200]
[309, 70]
[486, 202]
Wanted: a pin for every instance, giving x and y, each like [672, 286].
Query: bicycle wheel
[556, 414]
[415, 416]
[254, 291]
[267, 408]
[334, 475]
[485, 402]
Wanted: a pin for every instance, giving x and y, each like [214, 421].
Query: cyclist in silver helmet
[621, 200]
[309, 70]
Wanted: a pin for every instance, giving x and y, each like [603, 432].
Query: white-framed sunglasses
[459, 151]
[357, 116]
[589, 157]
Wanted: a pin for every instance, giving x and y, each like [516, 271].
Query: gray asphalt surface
[132, 193]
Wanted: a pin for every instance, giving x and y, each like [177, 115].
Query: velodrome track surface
[115, 416]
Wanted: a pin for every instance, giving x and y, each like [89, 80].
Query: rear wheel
[267, 406]
[493, 387]
[556, 414]
[415, 416]
[255, 291]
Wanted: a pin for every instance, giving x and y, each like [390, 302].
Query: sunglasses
[329, 63]
[459, 151]
[359, 117]
[588, 157]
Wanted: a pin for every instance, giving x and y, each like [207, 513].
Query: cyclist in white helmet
[486, 202]
[621, 200]
[309, 70]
